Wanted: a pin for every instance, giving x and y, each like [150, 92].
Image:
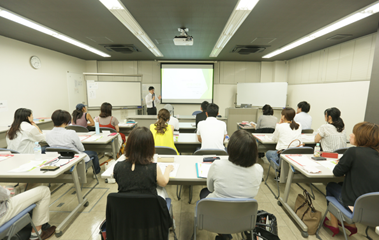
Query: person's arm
[115, 123]
[318, 138]
[345, 163]
[210, 177]
[75, 138]
[4, 194]
[198, 132]
[148, 99]
[89, 118]
[36, 134]
[275, 136]
[35, 125]
[225, 132]
[320, 133]
[162, 179]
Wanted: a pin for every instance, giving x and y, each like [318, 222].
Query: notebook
[202, 169]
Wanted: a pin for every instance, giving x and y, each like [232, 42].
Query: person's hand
[170, 168]
[10, 190]
[160, 97]
[281, 121]
[34, 124]
[252, 124]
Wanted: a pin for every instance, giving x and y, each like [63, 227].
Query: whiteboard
[259, 94]
[76, 90]
[119, 94]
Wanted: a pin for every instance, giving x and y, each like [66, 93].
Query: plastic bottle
[317, 150]
[97, 127]
[37, 151]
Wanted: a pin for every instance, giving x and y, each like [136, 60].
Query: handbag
[305, 210]
[289, 145]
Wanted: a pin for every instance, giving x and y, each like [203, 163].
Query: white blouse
[284, 135]
[25, 139]
[331, 139]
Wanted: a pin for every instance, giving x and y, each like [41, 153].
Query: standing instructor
[151, 102]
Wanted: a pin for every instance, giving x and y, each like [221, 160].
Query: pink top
[81, 121]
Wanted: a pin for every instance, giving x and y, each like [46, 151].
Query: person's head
[333, 116]
[288, 115]
[365, 134]
[303, 107]
[78, 112]
[105, 110]
[61, 118]
[242, 148]
[212, 110]
[151, 89]
[163, 118]
[21, 115]
[267, 110]
[169, 108]
[204, 106]
[140, 146]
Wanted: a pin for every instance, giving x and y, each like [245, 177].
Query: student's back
[162, 132]
[302, 115]
[202, 116]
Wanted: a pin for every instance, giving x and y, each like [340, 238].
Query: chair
[265, 130]
[225, 215]
[210, 152]
[195, 113]
[366, 210]
[341, 150]
[8, 150]
[77, 128]
[71, 152]
[307, 131]
[138, 216]
[276, 166]
[17, 223]
[165, 150]
[108, 129]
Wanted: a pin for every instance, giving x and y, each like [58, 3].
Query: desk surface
[20, 159]
[184, 117]
[127, 125]
[187, 125]
[245, 127]
[267, 138]
[3, 129]
[105, 138]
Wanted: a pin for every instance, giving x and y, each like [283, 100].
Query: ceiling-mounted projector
[183, 39]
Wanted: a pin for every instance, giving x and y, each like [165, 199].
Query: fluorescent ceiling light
[123, 15]
[238, 16]
[352, 18]
[36, 26]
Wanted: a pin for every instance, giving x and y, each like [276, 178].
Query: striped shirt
[331, 138]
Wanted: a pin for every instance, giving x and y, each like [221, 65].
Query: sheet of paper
[303, 160]
[174, 172]
[193, 124]
[203, 169]
[26, 167]
[93, 138]
[260, 137]
[328, 164]
[82, 138]
[5, 156]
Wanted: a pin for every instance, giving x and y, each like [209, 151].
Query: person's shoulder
[26, 126]
[257, 167]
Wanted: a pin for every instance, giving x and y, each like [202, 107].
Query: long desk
[188, 142]
[248, 128]
[36, 176]
[187, 127]
[325, 176]
[266, 143]
[146, 120]
[126, 128]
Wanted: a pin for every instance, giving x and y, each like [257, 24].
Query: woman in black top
[360, 166]
[138, 173]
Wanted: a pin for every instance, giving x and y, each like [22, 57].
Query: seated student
[23, 133]
[59, 136]
[239, 170]
[163, 133]
[202, 116]
[302, 115]
[138, 173]
[174, 122]
[10, 206]
[211, 132]
[286, 131]
[332, 135]
[81, 117]
[106, 119]
[267, 120]
[360, 166]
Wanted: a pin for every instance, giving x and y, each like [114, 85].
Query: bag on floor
[266, 227]
[305, 210]
[103, 232]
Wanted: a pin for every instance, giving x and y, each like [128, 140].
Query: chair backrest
[196, 112]
[9, 150]
[265, 130]
[77, 128]
[165, 150]
[341, 150]
[298, 150]
[18, 222]
[107, 129]
[137, 216]
[226, 215]
[210, 152]
[366, 209]
[307, 131]
[62, 151]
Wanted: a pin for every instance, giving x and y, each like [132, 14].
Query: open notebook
[202, 169]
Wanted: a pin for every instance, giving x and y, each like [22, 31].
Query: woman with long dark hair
[106, 119]
[81, 117]
[163, 133]
[332, 135]
[23, 133]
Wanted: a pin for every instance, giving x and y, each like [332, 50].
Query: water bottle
[97, 127]
[37, 151]
[317, 150]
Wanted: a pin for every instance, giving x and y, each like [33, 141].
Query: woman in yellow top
[162, 132]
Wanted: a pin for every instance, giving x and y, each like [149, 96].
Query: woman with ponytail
[332, 135]
[163, 133]
[286, 131]
[81, 117]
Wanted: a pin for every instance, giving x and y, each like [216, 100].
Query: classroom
[185, 73]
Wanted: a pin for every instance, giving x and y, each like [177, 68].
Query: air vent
[121, 48]
[339, 37]
[244, 50]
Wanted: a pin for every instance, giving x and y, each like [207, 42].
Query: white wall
[349, 97]
[43, 90]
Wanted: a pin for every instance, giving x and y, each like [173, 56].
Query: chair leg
[367, 233]
[340, 217]
[194, 230]
[178, 191]
[190, 193]
[321, 222]
[97, 182]
[277, 183]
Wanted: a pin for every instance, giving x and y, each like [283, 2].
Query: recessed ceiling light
[349, 19]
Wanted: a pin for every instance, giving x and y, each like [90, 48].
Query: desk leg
[283, 201]
[114, 149]
[82, 202]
